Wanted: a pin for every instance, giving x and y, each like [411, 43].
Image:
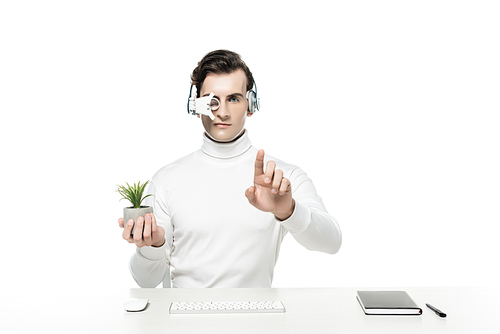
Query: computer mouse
[135, 304]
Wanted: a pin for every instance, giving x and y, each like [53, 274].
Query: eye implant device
[203, 105]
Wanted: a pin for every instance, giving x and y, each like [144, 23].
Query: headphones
[252, 97]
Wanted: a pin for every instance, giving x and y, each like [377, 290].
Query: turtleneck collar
[226, 150]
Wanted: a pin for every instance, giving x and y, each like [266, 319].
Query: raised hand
[271, 192]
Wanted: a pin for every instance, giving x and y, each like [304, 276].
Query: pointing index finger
[259, 163]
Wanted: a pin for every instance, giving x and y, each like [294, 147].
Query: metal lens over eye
[214, 103]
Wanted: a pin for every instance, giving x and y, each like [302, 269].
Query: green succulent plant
[134, 194]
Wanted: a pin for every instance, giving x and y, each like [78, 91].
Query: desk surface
[314, 310]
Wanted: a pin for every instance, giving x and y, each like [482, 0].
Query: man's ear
[249, 114]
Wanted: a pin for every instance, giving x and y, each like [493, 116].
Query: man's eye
[234, 99]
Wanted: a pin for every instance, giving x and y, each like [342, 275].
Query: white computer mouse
[135, 304]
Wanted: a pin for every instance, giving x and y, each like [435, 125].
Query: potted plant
[134, 194]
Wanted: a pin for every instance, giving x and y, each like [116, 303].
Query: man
[219, 215]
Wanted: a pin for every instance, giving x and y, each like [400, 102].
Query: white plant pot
[133, 213]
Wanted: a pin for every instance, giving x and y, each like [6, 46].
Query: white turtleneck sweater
[214, 236]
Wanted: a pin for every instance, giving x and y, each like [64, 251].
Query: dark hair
[219, 62]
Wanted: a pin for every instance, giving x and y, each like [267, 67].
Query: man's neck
[226, 142]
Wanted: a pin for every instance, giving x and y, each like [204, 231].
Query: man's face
[230, 118]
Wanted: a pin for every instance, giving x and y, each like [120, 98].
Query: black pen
[438, 312]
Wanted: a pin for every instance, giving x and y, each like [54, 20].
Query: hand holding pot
[146, 232]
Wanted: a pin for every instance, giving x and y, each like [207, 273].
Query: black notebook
[387, 303]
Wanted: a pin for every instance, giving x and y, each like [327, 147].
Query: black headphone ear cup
[192, 96]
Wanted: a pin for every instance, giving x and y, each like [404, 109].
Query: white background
[391, 107]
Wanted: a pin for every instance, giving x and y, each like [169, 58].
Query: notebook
[387, 303]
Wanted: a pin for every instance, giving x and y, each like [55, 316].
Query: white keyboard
[227, 307]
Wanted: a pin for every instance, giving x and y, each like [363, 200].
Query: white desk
[328, 310]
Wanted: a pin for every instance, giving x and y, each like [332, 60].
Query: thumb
[250, 194]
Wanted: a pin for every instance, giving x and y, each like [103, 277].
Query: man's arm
[310, 224]
[149, 265]
[302, 214]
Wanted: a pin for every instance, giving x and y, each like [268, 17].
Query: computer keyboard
[272, 306]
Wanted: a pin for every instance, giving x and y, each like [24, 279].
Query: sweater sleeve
[150, 266]
[310, 224]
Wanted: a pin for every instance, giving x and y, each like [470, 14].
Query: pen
[438, 312]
